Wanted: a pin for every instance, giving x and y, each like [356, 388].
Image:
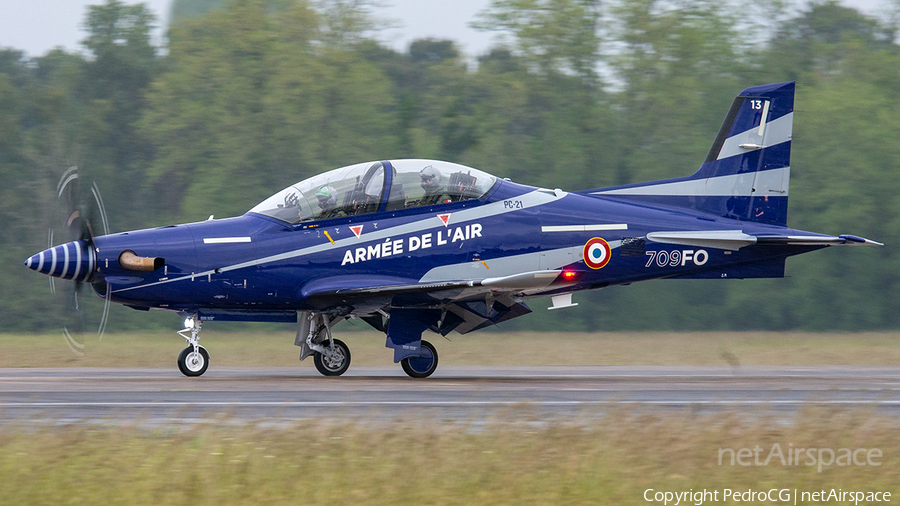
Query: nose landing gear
[193, 360]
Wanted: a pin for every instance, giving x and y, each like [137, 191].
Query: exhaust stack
[129, 261]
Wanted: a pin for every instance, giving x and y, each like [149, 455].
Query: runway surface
[162, 396]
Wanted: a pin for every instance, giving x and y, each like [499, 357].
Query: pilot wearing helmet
[431, 183]
[326, 197]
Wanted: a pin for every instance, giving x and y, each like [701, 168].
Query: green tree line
[248, 96]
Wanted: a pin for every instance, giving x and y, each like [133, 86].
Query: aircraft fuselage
[254, 267]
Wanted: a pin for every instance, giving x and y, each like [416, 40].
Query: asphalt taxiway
[164, 396]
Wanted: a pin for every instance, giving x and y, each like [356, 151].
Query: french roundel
[596, 253]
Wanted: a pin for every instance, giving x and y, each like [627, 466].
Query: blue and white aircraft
[415, 245]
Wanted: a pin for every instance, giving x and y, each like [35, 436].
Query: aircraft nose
[73, 260]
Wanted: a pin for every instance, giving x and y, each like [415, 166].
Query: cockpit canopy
[360, 189]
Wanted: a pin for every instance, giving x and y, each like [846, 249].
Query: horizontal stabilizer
[734, 240]
[719, 239]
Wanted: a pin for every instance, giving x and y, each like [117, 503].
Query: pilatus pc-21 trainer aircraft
[415, 245]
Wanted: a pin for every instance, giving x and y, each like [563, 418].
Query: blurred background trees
[249, 96]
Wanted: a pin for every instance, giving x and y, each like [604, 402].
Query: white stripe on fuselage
[734, 185]
[532, 199]
[585, 228]
[225, 240]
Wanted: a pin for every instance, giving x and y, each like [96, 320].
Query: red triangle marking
[445, 218]
[357, 229]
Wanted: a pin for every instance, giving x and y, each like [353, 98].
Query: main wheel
[424, 366]
[193, 364]
[333, 362]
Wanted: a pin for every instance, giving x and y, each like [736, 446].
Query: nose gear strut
[193, 360]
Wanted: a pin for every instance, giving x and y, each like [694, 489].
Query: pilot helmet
[326, 197]
[431, 178]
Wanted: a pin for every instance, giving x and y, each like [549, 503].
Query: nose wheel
[424, 366]
[193, 363]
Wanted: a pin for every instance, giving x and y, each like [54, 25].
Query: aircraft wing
[516, 282]
[470, 304]
[736, 239]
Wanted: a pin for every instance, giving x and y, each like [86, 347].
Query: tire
[333, 366]
[193, 366]
[424, 366]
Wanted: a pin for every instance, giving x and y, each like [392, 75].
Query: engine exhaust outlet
[131, 262]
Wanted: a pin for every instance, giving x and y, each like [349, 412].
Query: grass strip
[486, 348]
[516, 458]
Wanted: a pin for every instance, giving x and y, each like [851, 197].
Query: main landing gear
[334, 359]
[424, 366]
[332, 356]
[193, 360]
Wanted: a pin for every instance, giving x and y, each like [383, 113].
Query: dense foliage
[253, 95]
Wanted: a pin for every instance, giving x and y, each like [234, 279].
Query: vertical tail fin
[747, 171]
